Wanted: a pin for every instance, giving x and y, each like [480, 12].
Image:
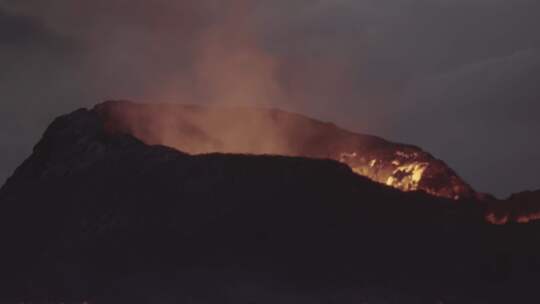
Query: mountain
[199, 129]
[96, 214]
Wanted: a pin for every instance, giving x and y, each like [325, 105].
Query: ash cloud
[414, 71]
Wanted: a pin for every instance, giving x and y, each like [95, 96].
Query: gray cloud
[456, 77]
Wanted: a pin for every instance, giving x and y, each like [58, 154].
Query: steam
[208, 129]
[231, 67]
[207, 52]
[229, 70]
[232, 73]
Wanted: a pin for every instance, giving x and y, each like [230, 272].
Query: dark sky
[460, 78]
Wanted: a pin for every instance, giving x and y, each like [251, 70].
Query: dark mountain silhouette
[97, 215]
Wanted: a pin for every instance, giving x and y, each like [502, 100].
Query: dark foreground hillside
[104, 218]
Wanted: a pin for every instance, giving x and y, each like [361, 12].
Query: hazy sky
[460, 78]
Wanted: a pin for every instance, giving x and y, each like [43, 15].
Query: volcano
[130, 202]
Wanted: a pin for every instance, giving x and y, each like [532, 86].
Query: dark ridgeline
[102, 217]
